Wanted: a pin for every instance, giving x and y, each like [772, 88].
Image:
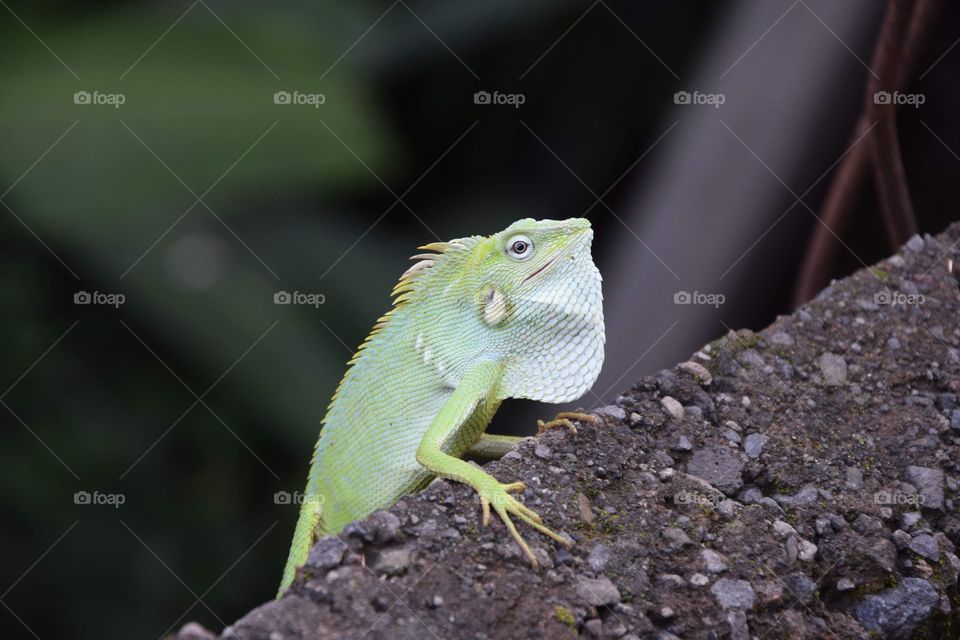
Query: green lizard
[514, 315]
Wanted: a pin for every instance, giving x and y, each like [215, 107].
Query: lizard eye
[520, 247]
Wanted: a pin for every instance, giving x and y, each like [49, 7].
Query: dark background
[199, 399]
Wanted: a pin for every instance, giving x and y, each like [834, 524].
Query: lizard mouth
[541, 269]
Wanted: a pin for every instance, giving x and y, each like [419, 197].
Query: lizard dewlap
[518, 314]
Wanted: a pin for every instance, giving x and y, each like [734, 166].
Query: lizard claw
[506, 505]
[564, 419]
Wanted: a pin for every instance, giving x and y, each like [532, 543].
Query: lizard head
[538, 294]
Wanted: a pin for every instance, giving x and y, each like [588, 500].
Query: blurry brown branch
[906, 29]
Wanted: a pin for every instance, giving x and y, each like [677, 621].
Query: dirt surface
[801, 482]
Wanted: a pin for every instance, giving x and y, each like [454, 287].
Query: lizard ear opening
[493, 305]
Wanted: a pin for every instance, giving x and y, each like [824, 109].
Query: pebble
[897, 612]
[808, 550]
[699, 580]
[782, 339]
[599, 558]
[733, 594]
[697, 370]
[854, 478]
[682, 444]
[542, 451]
[713, 562]
[613, 411]
[732, 436]
[902, 539]
[833, 368]
[893, 344]
[672, 407]
[845, 584]
[393, 561]
[719, 466]
[910, 518]
[783, 529]
[915, 244]
[929, 484]
[925, 545]
[597, 592]
[754, 443]
[676, 537]
[327, 553]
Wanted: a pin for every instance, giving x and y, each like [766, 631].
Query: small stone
[713, 562]
[801, 587]
[808, 550]
[955, 419]
[597, 592]
[542, 451]
[732, 436]
[806, 496]
[929, 484]
[833, 368]
[682, 444]
[738, 625]
[915, 244]
[327, 553]
[893, 343]
[393, 561]
[753, 445]
[783, 529]
[782, 339]
[670, 581]
[910, 518]
[882, 552]
[677, 538]
[854, 478]
[719, 466]
[733, 594]
[902, 539]
[697, 370]
[845, 584]
[897, 612]
[699, 580]
[925, 545]
[867, 524]
[672, 407]
[599, 558]
[594, 627]
[612, 411]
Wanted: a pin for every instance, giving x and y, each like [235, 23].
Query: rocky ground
[800, 482]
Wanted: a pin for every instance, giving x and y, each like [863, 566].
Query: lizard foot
[564, 419]
[506, 505]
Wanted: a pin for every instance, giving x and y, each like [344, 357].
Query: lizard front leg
[446, 432]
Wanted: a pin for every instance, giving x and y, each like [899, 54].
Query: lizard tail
[304, 536]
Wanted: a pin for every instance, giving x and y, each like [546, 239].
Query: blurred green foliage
[198, 199]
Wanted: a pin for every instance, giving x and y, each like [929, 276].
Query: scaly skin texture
[514, 315]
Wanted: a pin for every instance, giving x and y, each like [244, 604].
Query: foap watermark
[299, 297]
[698, 297]
[295, 498]
[898, 497]
[299, 98]
[698, 498]
[98, 98]
[97, 498]
[898, 98]
[512, 99]
[98, 297]
[897, 297]
[712, 99]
